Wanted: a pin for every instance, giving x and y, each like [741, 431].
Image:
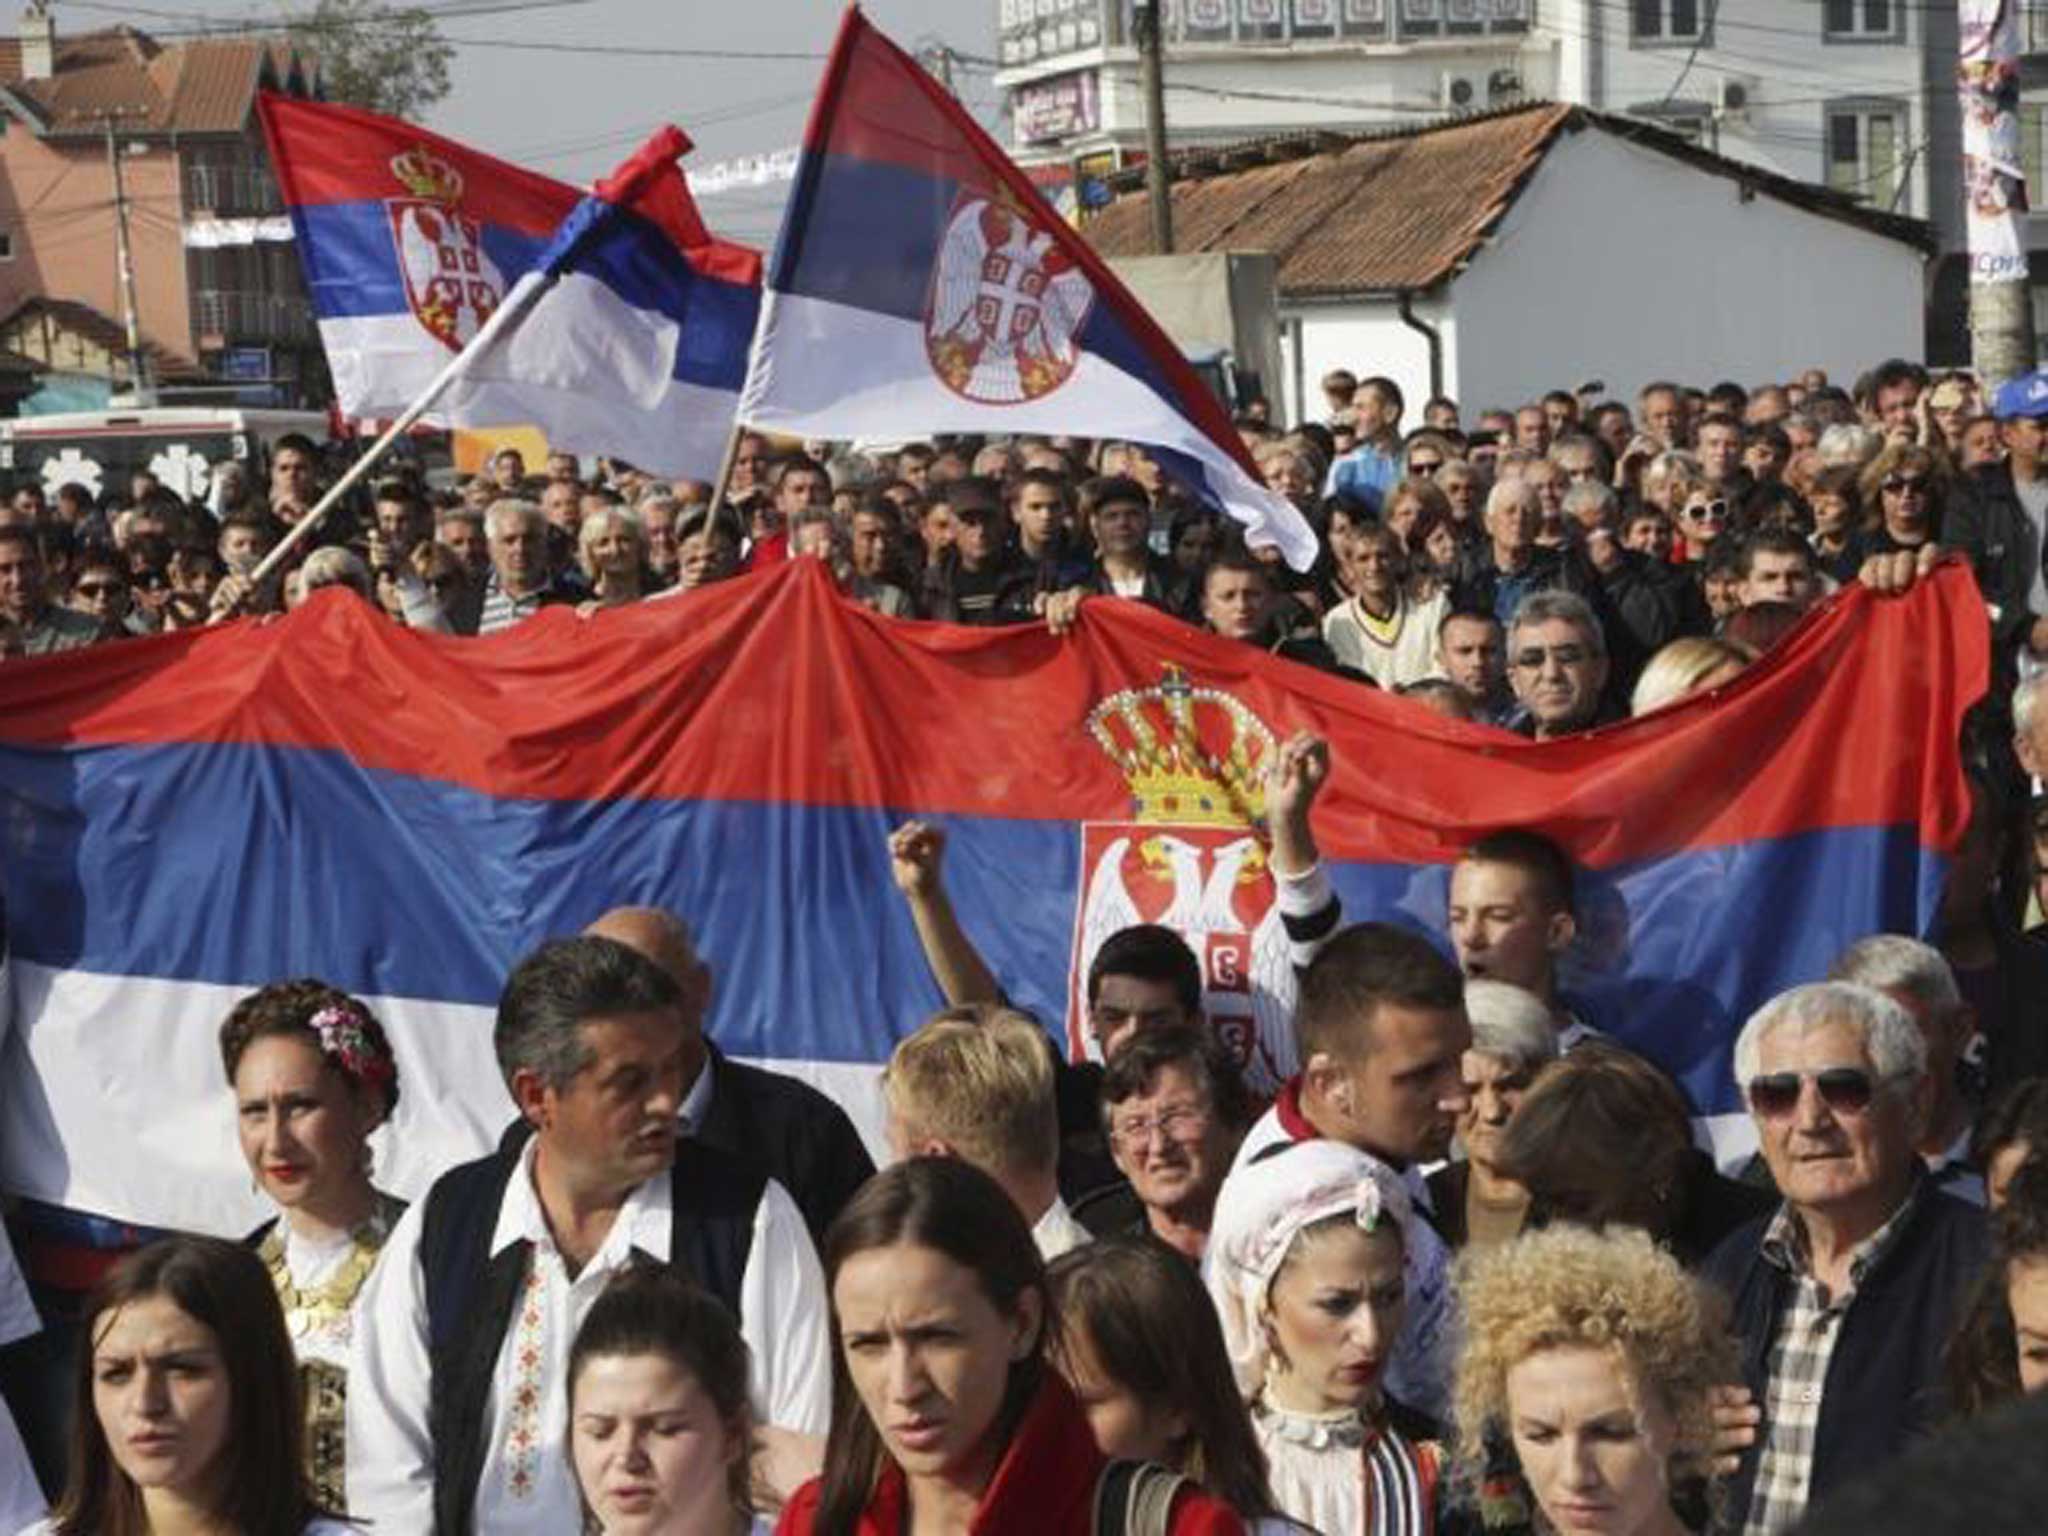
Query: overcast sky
[574, 115]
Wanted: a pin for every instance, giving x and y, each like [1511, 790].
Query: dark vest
[471, 1295]
[1884, 1386]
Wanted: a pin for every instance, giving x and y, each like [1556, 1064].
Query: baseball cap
[2026, 395]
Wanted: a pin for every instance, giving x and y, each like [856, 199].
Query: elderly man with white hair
[1845, 1297]
[522, 579]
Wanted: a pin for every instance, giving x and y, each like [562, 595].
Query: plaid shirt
[1799, 1365]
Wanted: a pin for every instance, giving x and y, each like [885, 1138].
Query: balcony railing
[231, 190]
[225, 316]
[1031, 30]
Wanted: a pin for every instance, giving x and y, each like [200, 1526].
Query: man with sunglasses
[1635, 610]
[1845, 1298]
[1557, 664]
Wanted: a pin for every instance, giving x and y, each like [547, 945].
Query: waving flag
[411, 242]
[405, 814]
[921, 284]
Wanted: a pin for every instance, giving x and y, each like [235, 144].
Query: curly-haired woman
[1594, 1355]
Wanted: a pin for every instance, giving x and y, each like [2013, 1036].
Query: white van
[180, 445]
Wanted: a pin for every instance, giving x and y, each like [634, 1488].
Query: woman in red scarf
[946, 1419]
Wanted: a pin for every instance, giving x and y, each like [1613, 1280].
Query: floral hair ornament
[1266, 1204]
[345, 1039]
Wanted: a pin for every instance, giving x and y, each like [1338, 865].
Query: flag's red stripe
[775, 689]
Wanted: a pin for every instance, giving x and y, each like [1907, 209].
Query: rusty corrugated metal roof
[1399, 209]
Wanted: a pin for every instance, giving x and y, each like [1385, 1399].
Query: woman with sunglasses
[1905, 485]
[1702, 516]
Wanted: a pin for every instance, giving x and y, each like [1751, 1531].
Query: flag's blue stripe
[350, 256]
[865, 237]
[869, 242]
[239, 864]
[352, 270]
[642, 266]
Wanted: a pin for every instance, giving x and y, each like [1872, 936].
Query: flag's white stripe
[595, 374]
[821, 369]
[116, 1103]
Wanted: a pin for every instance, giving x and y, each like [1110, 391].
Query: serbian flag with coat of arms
[187, 816]
[921, 284]
[411, 242]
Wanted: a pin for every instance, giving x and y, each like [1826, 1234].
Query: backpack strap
[1135, 1498]
[470, 1297]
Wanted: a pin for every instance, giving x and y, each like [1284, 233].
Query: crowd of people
[1467, 1271]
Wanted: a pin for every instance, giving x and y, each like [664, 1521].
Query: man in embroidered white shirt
[457, 1415]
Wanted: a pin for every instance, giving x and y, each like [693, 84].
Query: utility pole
[138, 378]
[1994, 190]
[1152, 72]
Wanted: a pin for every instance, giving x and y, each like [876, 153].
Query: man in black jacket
[784, 1126]
[1998, 520]
[1845, 1298]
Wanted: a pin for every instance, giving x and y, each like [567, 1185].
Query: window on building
[1866, 152]
[2033, 125]
[2034, 27]
[1670, 21]
[1877, 20]
[1365, 19]
[6, 245]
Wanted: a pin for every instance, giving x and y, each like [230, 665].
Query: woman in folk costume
[313, 1075]
[1306, 1253]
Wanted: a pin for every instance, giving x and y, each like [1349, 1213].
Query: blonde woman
[1592, 1359]
[1689, 665]
[612, 550]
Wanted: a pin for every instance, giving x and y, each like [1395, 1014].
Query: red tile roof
[1399, 209]
[207, 85]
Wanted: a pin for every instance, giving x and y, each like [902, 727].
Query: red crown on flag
[427, 175]
[1190, 755]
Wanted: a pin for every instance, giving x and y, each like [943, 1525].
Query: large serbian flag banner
[410, 242]
[921, 284]
[405, 814]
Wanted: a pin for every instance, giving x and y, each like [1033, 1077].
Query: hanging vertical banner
[1994, 176]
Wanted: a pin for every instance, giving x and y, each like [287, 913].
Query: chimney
[38, 41]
